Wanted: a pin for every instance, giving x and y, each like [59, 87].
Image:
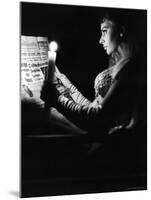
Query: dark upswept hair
[123, 21]
[130, 22]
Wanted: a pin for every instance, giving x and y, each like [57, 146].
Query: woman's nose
[101, 41]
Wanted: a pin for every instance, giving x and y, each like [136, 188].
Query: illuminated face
[108, 36]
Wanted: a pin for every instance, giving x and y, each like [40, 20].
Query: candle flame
[53, 46]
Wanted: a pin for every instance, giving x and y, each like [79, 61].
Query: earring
[121, 34]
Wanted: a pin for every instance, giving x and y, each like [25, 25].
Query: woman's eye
[104, 31]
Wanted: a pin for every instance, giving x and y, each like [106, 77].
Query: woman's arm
[93, 116]
[65, 85]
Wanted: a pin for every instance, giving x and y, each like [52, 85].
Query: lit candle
[53, 46]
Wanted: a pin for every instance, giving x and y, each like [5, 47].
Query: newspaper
[34, 63]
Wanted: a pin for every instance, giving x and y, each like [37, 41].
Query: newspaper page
[34, 64]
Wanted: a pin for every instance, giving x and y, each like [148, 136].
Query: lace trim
[103, 82]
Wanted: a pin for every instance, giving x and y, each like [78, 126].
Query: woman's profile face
[108, 36]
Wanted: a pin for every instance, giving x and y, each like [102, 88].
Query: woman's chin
[108, 52]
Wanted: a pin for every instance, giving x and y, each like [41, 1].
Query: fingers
[29, 92]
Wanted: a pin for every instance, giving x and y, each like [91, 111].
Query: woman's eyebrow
[104, 27]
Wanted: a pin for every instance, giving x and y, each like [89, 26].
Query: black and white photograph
[83, 96]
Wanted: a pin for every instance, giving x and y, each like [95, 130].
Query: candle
[52, 61]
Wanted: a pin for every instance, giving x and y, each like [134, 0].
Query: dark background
[52, 166]
[77, 31]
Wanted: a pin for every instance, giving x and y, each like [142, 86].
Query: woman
[116, 92]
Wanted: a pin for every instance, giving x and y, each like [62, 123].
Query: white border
[9, 100]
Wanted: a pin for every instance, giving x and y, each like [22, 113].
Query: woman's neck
[121, 56]
[123, 51]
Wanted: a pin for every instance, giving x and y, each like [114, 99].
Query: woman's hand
[62, 77]
[94, 106]
[62, 89]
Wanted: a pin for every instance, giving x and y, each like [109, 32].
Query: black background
[77, 31]
[51, 166]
